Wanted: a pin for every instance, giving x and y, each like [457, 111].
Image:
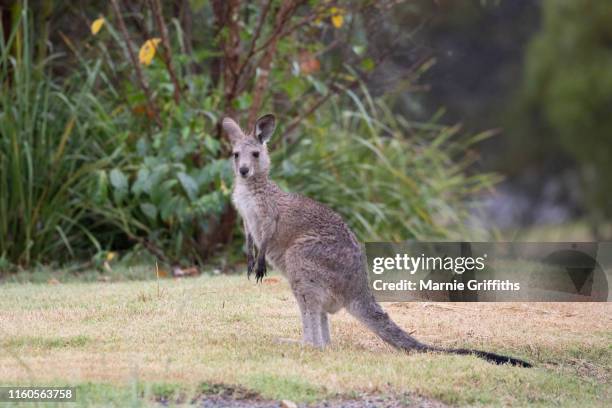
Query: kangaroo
[312, 247]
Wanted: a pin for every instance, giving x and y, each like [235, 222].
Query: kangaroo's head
[249, 152]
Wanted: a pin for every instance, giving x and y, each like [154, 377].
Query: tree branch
[141, 79]
[262, 18]
[283, 16]
[305, 20]
[334, 89]
[166, 55]
[257, 34]
[226, 18]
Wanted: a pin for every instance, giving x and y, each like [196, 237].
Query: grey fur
[308, 243]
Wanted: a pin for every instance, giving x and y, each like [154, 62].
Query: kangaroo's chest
[251, 211]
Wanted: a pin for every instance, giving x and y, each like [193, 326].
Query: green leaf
[243, 101]
[118, 179]
[211, 203]
[101, 191]
[367, 64]
[167, 209]
[142, 183]
[212, 145]
[162, 192]
[189, 185]
[142, 147]
[358, 49]
[149, 210]
[318, 85]
[294, 86]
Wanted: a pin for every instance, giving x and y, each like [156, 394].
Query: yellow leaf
[110, 256]
[147, 51]
[97, 25]
[337, 18]
[224, 188]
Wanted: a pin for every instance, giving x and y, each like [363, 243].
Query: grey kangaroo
[311, 246]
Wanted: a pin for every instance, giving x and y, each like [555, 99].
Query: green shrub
[168, 187]
[166, 190]
[47, 149]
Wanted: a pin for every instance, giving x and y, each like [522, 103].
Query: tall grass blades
[43, 155]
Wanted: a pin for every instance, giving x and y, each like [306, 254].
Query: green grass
[125, 343]
[47, 343]
[117, 273]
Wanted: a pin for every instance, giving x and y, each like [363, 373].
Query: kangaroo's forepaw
[250, 266]
[261, 270]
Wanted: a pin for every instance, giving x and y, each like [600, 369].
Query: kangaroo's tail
[376, 319]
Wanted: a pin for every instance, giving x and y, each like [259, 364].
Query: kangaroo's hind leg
[310, 298]
[307, 280]
[311, 321]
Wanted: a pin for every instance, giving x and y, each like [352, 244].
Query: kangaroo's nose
[244, 171]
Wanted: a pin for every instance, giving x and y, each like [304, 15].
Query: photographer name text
[473, 284]
[457, 265]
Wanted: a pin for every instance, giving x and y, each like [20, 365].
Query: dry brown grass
[225, 330]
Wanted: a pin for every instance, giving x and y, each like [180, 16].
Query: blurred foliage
[390, 178]
[120, 149]
[568, 85]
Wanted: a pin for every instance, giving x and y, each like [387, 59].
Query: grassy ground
[128, 342]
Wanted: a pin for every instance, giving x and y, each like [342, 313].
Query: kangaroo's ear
[233, 130]
[264, 127]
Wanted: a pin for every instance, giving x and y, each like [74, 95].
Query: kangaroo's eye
[235, 155]
[255, 154]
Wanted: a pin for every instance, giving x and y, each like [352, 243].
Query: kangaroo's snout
[244, 171]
